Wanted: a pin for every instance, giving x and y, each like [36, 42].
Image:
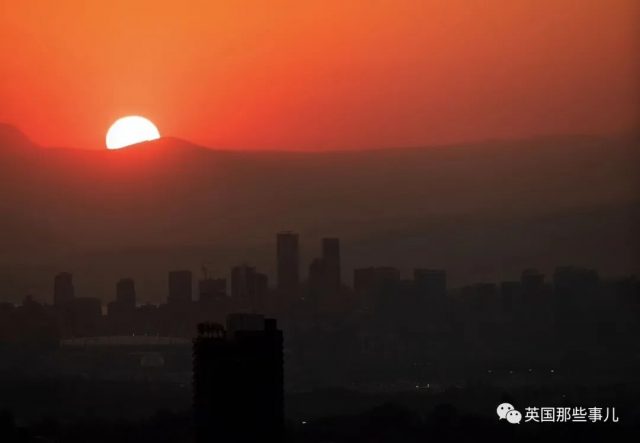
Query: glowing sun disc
[129, 131]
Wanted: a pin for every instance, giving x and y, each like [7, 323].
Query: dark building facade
[126, 294]
[63, 290]
[316, 276]
[249, 287]
[243, 283]
[288, 262]
[238, 381]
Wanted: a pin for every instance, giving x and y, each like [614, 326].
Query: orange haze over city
[320, 74]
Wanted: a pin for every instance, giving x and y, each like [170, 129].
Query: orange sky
[320, 74]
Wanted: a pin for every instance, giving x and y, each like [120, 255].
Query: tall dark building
[316, 276]
[430, 282]
[331, 263]
[248, 287]
[242, 281]
[180, 287]
[238, 381]
[63, 290]
[288, 262]
[126, 294]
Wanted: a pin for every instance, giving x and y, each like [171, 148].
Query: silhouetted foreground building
[238, 381]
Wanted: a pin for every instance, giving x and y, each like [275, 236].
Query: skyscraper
[316, 277]
[288, 262]
[63, 290]
[238, 381]
[180, 283]
[126, 294]
[248, 287]
[243, 282]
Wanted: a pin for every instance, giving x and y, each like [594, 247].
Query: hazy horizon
[632, 133]
[481, 210]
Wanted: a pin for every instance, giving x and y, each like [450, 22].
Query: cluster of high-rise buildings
[247, 284]
[383, 329]
[379, 308]
[211, 298]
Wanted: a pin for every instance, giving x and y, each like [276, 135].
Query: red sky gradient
[320, 74]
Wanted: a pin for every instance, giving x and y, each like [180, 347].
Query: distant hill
[480, 210]
[11, 138]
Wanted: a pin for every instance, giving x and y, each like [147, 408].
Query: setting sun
[130, 130]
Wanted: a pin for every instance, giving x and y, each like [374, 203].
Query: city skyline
[245, 282]
[473, 209]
